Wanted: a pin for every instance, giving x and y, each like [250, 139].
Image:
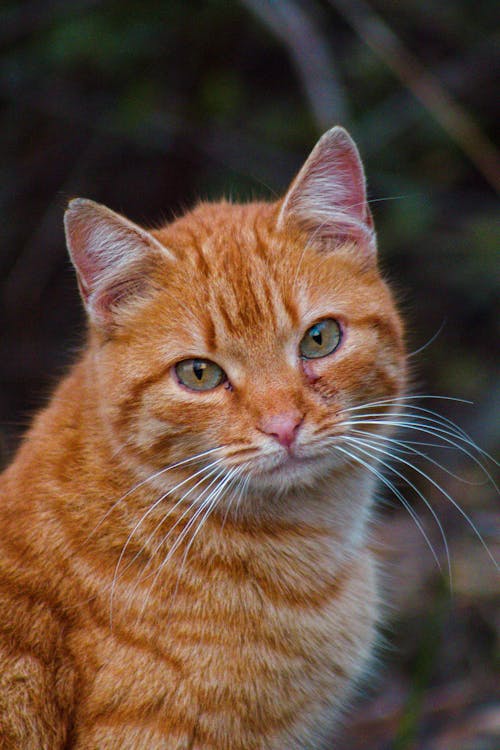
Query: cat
[185, 559]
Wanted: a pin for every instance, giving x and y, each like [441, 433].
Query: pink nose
[282, 427]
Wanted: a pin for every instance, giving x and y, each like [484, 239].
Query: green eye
[321, 339]
[199, 374]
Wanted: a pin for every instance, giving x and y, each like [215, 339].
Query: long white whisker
[150, 478]
[396, 492]
[157, 502]
[435, 432]
[205, 494]
[388, 466]
[391, 399]
[411, 407]
[243, 493]
[214, 475]
[224, 486]
[417, 412]
[146, 514]
[408, 448]
[452, 501]
[427, 343]
[422, 443]
[207, 503]
[231, 499]
[142, 575]
[213, 471]
[424, 419]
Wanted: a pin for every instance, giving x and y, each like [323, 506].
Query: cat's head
[241, 332]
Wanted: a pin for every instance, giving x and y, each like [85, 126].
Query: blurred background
[148, 105]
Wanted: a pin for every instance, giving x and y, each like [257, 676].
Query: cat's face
[242, 332]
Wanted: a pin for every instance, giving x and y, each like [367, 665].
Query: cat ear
[328, 196]
[111, 256]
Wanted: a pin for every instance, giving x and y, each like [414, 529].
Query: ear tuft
[111, 255]
[328, 196]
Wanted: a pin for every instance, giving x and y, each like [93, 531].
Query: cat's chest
[232, 659]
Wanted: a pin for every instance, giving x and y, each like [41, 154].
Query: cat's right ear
[328, 199]
[111, 255]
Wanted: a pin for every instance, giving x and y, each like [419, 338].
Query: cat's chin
[293, 471]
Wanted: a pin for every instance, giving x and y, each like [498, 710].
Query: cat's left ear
[113, 258]
[328, 197]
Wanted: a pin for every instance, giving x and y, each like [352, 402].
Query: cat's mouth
[293, 467]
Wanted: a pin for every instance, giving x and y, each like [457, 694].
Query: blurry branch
[27, 17]
[453, 118]
[310, 54]
[399, 111]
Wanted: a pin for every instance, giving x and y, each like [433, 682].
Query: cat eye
[199, 374]
[321, 339]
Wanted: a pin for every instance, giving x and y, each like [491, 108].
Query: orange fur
[123, 622]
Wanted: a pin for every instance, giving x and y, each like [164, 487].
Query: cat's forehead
[237, 251]
[211, 230]
[245, 284]
[231, 264]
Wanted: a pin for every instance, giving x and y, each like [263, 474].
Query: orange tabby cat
[183, 544]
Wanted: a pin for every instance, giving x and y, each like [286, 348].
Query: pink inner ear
[88, 231]
[347, 165]
[113, 295]
[328, 196]
[111, 255]
[83, 255]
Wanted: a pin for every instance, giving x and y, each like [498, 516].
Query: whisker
[440, 433]
[396, 492]
[445, 421]
[209, 502]
[452, 501]
[452, 429]
[206, 506]
[408, 446]
[211, 506]
[243, 493]
[229, 504]
[206, 476]
[422, 443]
[157, 502]
[150, 478]
[413, 487]
[224, 486]
[429, 342]
[216, 475]
[146, 514]
[441, 419]
[411, 397]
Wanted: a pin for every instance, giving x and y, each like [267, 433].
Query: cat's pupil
[198, 369]
[316, 336]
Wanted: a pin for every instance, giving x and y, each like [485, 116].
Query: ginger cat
[184, 558]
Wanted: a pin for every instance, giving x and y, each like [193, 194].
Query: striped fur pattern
[172, 575]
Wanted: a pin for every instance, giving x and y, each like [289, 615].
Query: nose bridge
[275, 390]
[276, 402]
